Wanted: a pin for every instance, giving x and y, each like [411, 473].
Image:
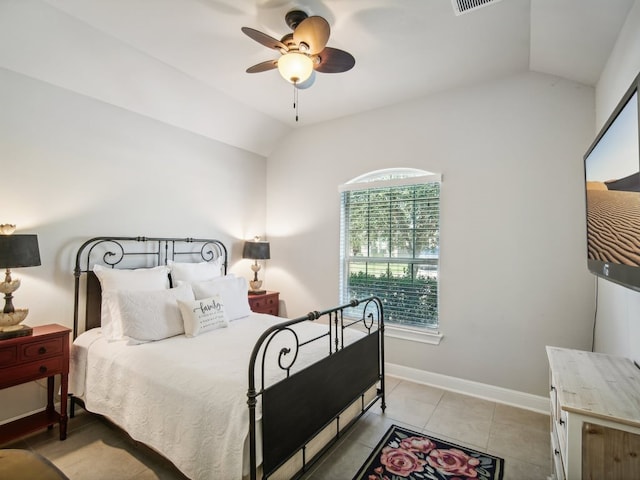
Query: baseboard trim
[514, 398]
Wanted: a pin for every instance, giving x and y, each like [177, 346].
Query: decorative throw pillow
[152, 315]
[231, 289]
[200, 316]
[111, 280]
[194, 272]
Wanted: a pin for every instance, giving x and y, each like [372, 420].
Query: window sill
[428, 336]
[431, 337]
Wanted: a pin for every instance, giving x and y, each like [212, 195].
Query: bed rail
[310, 400]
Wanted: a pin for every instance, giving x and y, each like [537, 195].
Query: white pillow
[111, 280]
[152, 315]
[231, 289]
[200, 316]
[194, 272]
[154, 278]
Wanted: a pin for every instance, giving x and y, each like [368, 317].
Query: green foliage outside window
[406, 300]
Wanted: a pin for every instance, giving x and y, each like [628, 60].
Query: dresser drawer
[32, 371]
[8, 355]
[560, 428]
[265, 303]
[553, 397]
[45, 348]
[558, 462]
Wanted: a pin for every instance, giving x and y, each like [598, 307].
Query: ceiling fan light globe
[295, 67]
[307, 83]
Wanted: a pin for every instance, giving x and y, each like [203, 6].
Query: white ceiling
[183, 61]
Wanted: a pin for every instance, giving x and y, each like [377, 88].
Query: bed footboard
[316, 398]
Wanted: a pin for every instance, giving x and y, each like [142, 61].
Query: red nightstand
[265, 303]
[44, 354]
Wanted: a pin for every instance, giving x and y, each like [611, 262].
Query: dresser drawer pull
[43, 369]
[42, 351]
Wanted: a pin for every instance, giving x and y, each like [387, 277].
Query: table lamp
[16, 251]
[256, 250]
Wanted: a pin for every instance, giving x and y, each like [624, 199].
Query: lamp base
[10, 321]
[257, 292]
[16, 331]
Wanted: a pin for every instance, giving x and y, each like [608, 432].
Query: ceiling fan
[303, 52]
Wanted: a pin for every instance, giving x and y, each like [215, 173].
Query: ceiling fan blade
[314, 32]
[263, 66]
[334, 60]
[264, 39]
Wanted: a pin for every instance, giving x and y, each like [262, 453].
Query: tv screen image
[612, 184]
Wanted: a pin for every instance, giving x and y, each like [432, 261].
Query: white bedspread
[185, 397]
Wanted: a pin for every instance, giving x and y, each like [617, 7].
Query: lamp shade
[19, 251]
[256, 250]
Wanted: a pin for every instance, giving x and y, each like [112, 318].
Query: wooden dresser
[595, 415]
[44, 354]
[265, 303]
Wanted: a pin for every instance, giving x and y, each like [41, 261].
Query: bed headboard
[131, 252]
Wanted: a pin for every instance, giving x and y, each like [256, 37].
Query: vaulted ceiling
[183, 61]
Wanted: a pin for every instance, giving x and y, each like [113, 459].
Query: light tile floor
[96, 450]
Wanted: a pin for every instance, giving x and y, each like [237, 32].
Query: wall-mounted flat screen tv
[612, 185]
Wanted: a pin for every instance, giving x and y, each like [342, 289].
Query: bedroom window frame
[426, 263]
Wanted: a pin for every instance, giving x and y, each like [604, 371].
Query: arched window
[390, 243]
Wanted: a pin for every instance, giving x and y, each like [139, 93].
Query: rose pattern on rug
[406, 455]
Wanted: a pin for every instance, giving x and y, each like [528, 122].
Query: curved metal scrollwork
[207, 253]
[286, 359]
[371, 313]
[109, 257]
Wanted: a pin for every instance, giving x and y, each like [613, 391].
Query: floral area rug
[404, 454]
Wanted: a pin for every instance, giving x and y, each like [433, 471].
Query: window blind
[390, 248]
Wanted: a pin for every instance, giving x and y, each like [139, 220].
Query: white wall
[513, 272]
[75, 52]
[618, 319]
[74, 168]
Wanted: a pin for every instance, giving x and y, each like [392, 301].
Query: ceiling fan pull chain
[295, 99]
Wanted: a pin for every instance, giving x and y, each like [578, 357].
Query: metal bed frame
[312, 400]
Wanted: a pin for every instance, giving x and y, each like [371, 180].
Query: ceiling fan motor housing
[294, 17]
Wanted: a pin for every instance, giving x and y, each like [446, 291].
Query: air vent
[465, 6]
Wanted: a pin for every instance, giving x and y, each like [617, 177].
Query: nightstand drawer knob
[43, 369]
[42, 351]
